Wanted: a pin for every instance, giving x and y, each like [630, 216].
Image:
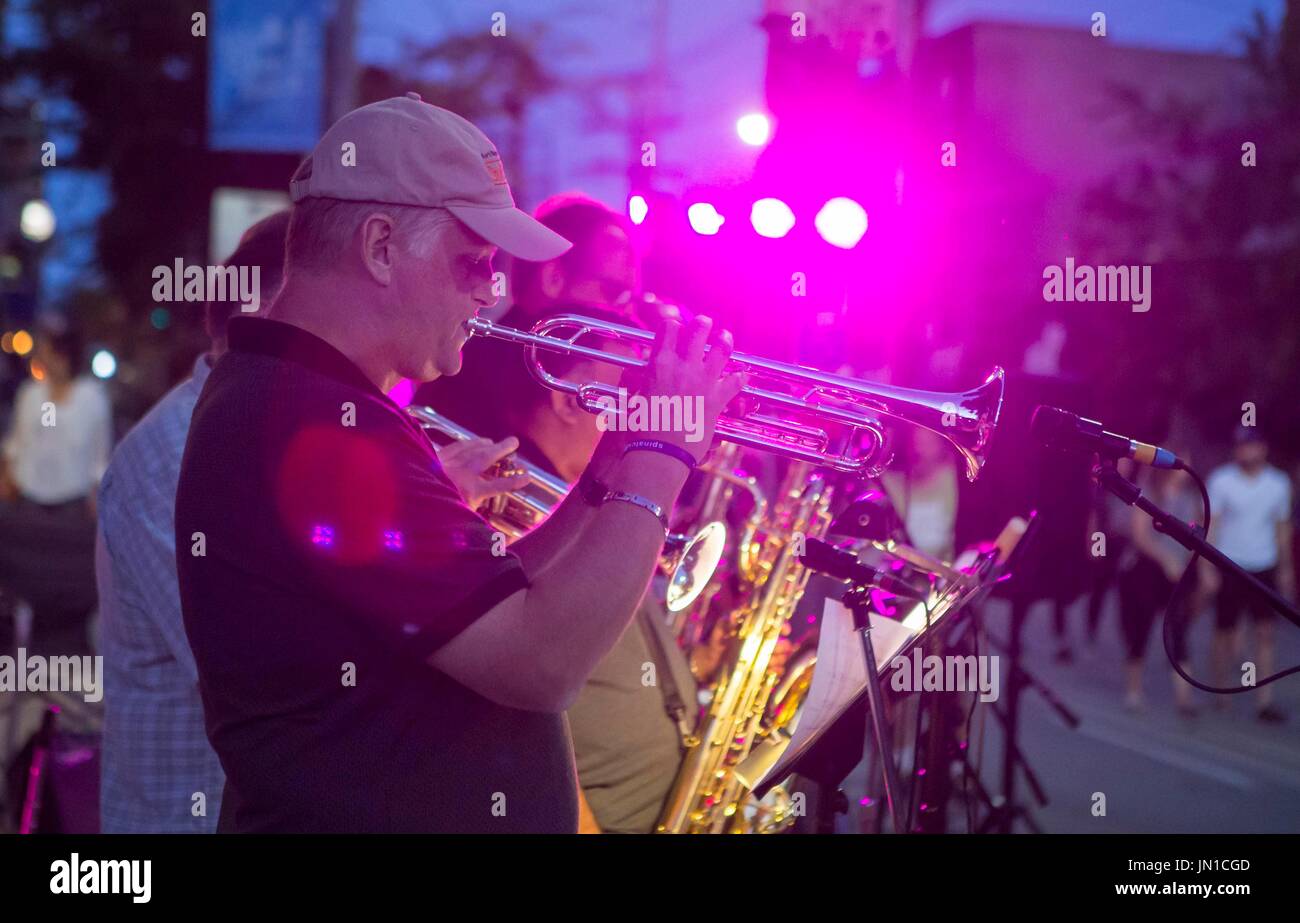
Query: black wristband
[663, 448]
[592, 489]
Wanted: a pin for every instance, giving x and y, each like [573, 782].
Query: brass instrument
[809, 400]
[827, 421]
[688, 560]
[706, 797]
[719, 496]
[519, 511]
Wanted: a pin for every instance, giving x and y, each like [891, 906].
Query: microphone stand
[1189, 537]
[858, 599]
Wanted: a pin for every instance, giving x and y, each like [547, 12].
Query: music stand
[762, 770]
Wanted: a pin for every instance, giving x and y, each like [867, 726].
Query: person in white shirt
[1251, 505]
[56, 449]
[923, 490]
[61, 434]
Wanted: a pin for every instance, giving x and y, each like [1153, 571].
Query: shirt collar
[202, 366]
[286, 341]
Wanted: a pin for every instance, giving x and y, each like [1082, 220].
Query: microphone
[1060, 429]
[825, 558]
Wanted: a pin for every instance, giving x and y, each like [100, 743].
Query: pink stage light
[637, 209]
[754, 128]
[841, 222]
[771, 218]
[704, 219]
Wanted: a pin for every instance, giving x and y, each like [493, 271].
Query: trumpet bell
[692, 566]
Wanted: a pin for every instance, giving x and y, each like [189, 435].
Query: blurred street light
[104, 364]
[37, 221]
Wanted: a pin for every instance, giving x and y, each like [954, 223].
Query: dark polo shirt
[336, 557]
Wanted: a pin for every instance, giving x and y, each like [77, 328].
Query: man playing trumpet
[369, 659]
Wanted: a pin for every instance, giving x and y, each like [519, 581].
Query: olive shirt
[628, 748]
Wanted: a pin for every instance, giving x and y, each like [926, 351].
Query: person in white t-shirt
[61, 435]
[1251, 505]
[58, 444]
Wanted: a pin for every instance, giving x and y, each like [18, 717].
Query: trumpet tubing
[688, 560]
[514, 513]
[965, 419]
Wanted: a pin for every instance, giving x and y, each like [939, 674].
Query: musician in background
[369, 660]
[599, 272]
[923, 487]
[159, 773]
[627, 720]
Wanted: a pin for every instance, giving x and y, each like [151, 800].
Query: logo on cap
[495, 168]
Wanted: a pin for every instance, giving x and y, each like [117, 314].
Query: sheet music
[841, 673]
[839, 677]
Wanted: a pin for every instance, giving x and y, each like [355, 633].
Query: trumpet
[689, 560]
[518, 511]
[810, 400]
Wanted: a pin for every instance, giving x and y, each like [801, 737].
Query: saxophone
[706, 797]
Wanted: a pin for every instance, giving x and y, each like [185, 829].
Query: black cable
[970, 717]
[1171, 612]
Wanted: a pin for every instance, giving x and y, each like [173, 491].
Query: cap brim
[516, 232]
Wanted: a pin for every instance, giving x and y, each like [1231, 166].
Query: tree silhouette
[1225, 240]
[136, 75]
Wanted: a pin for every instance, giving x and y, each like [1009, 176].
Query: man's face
[579, 430]
[585, 429]
[55, 364]
[606, 273]
[1251, 455]
[436, 297]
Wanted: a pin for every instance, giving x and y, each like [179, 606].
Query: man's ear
[566, 407]
[551, 279]
[379, 246]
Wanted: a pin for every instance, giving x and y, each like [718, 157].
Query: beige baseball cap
[409, 152]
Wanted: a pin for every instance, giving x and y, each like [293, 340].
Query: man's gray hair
[322, 230]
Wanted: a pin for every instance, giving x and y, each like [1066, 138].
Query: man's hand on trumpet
[679, 366]
[473, 466]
